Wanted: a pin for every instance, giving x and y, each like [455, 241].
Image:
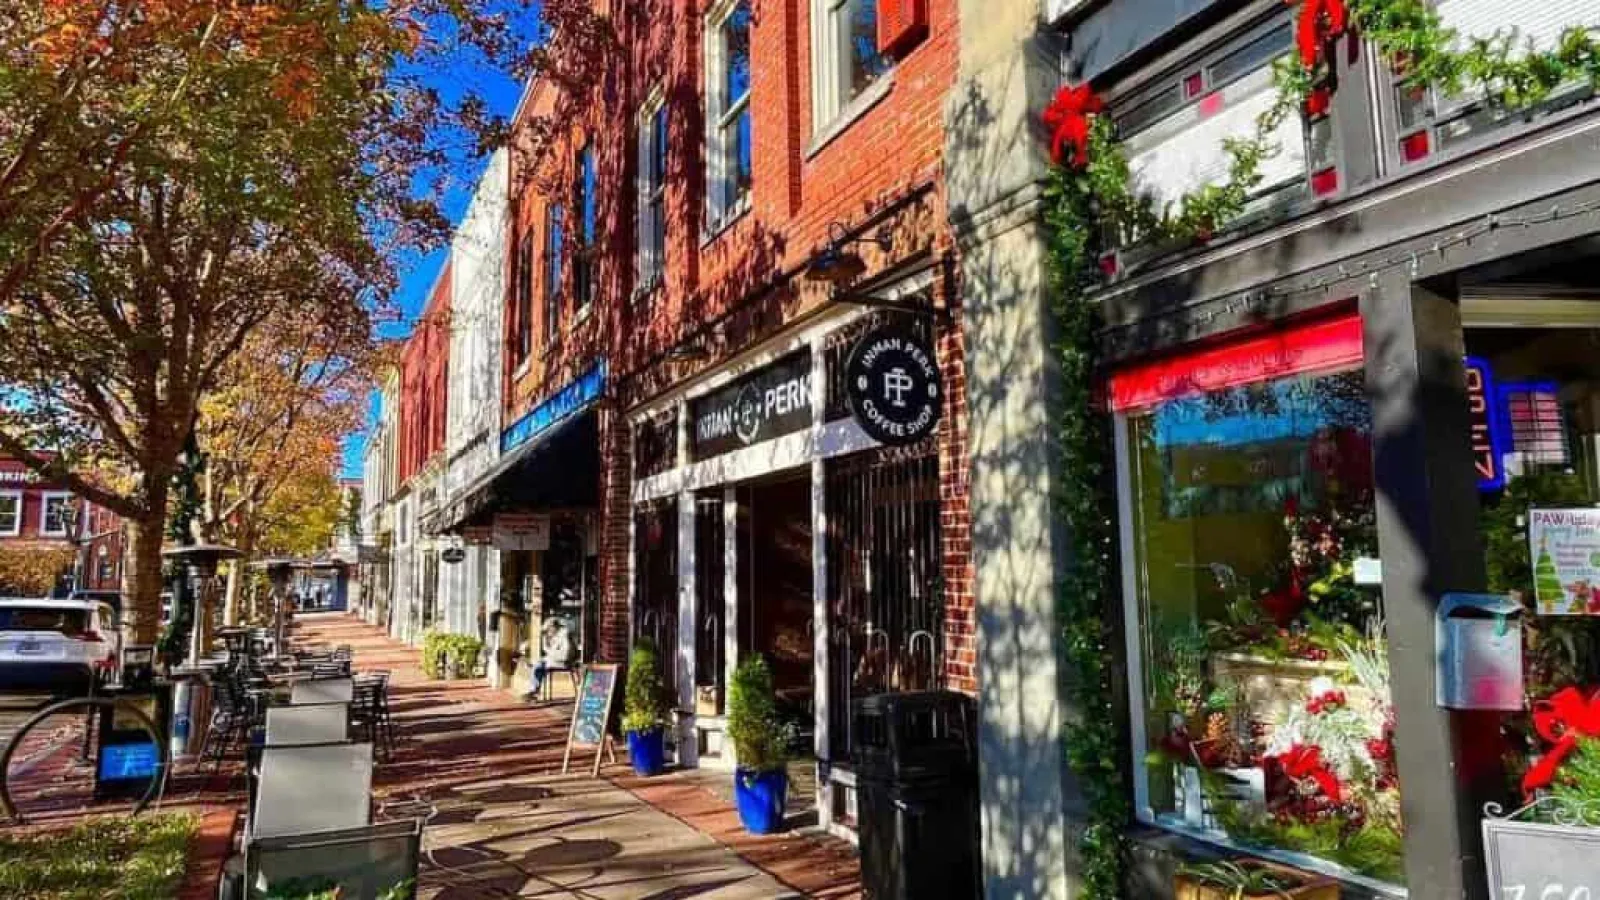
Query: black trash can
[917, 796]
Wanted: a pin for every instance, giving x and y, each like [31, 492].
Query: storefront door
[775, 600]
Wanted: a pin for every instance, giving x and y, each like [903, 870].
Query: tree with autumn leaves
[180, 177]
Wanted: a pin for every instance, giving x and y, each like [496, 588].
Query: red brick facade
[878, 175]
[21, 490]
[424, 382]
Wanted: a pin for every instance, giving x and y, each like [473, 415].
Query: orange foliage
[32, 568]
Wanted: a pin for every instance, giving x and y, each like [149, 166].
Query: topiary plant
[646, 703]
[435, 646]
[760, 737]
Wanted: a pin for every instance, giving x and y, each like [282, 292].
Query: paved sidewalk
[484, 768]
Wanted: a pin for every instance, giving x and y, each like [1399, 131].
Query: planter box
[1311, 887]
[1537, 859]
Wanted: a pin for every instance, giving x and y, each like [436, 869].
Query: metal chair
[369, 710]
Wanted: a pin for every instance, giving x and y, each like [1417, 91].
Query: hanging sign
[894, 388]
[591, 714]
[1564, 545]
[453, 555]
[770, 402]
[521, 531]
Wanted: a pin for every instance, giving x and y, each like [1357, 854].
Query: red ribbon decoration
[1300, 761]
[1561, 720]
[1068, 119]
[1320, 21]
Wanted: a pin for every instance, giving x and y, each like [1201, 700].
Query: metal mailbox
[1478, 639]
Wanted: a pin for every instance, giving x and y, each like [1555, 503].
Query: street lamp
[73, 514]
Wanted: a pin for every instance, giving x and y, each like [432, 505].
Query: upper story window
[524, 345]
[587, 204]
[845, 57]
[1175, 126]
[1429, 122]
[729, 150]
[652, 191]
[554, 242]
[55, 515]
[10, 513]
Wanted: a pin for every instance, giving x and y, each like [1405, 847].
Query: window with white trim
[586, 203]
[729, 137]
[844, 56]
[55, 514]
[652, 191]
[554, 241]
[10, 513]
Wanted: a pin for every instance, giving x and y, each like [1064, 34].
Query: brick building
[684, 456]
[420, 444]
[35, 519]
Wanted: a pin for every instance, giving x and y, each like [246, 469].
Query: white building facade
[469, 588]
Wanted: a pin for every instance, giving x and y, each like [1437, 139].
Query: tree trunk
[141, 578]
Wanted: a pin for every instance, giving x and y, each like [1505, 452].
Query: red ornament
[1318, 102]
[1068, 118]
[1300, 761]
[1320, 21]
[1561, 720]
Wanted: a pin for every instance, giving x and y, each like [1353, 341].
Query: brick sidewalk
[485, 767]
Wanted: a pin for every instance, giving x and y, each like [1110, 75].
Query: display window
[1254, 605]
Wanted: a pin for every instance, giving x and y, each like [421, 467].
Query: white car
[57, 645]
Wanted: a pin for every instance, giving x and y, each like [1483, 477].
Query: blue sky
[419, 271]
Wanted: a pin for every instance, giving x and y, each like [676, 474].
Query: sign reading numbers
[894, 388]
[1484, 425]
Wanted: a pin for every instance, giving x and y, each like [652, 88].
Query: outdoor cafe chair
[369, 711]
[302, 789]
[310, 723]
[322, 690]
[365, 863]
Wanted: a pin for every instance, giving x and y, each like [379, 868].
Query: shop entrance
[776, 612]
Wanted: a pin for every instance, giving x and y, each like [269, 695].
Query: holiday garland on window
[1091, 195]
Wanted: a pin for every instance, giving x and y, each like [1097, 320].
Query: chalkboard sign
[591, 713]
[1536, 861]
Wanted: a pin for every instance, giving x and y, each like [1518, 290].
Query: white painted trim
[819, 577]
[688, 740]
[730, 593]
[1138, 739]
[791, 451]
[648, 267]
[16, 527]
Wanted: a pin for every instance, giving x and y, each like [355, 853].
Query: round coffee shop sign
[894, 386]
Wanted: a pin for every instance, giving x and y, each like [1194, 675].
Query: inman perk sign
[767, 403]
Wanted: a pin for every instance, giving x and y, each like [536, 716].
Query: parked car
[58, 645]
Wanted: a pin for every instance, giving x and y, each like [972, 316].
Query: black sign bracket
[939, 314]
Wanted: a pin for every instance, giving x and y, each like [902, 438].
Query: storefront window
[1256, 621]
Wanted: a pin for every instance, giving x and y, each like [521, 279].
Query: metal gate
[885, 581]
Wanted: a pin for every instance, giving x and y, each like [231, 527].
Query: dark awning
[559, 469]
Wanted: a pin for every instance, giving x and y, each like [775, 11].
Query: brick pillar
[955, 510]
[616, 510]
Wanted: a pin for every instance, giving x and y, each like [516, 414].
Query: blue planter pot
[647, 750]
[762, 798]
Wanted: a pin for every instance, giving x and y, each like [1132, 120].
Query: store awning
[559, 469]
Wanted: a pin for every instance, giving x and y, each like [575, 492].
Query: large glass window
[845, 56]
[1256, 619]
[55, 515]
[652, 192]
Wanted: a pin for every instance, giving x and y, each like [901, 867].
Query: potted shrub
[462, 652]
[645, 708]
[761, 744]
[1251, 879]
[435, 650]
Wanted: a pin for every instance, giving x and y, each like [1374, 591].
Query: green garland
[1084, 203]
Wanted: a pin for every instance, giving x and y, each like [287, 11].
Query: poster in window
[1564, 545]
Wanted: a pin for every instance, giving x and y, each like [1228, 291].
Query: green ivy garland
[1090, 195]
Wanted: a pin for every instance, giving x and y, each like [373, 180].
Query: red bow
[1300, 761]
[1313, 31]
[1068, 118]
[1561, 720]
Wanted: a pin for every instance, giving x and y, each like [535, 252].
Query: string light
[1250, 302]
